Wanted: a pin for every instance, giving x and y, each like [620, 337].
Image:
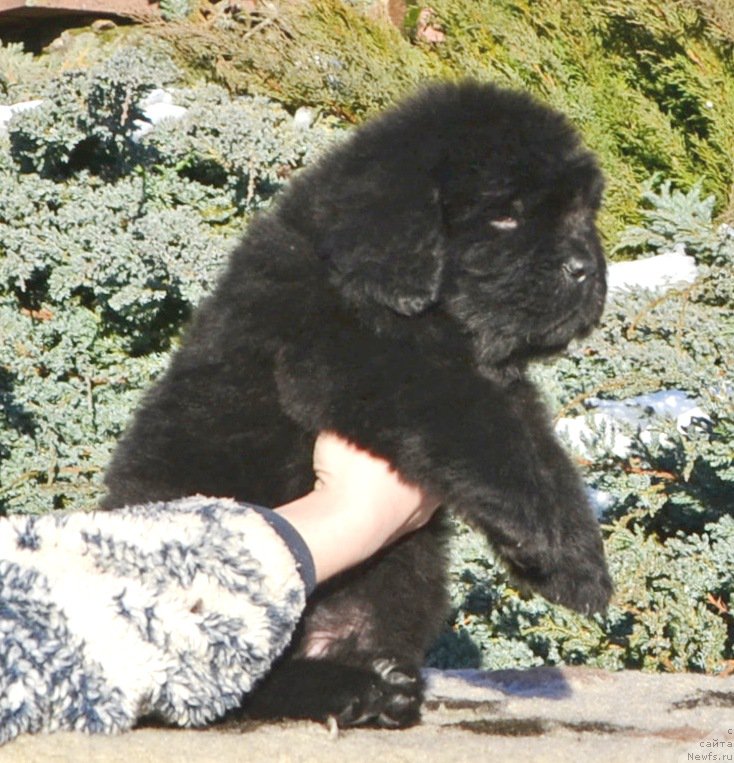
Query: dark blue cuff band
[294, 541]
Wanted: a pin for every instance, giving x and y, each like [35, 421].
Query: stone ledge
[540, 715]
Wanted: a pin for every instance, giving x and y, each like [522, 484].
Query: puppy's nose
[578, 269]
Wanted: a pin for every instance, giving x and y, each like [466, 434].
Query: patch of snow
[607, 425]
[601, 501]
[586, 434]
[157, 106]
[656, 273]
[8, 112]
[304, 118]
[666, 403]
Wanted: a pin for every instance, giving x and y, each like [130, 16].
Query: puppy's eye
[504, 223]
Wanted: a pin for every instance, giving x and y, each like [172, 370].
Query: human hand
[359, 504]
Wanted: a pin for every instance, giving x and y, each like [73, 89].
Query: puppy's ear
[385, 243]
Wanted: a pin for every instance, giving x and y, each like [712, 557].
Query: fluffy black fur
[395, 295]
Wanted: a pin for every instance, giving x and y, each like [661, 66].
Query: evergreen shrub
[649, 82]
[109, 235]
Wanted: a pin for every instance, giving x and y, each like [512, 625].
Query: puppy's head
[525, 272]
[474, 201]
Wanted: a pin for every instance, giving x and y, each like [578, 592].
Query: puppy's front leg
[568, 566]
[488, 451]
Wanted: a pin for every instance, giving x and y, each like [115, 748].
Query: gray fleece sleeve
[173, 608]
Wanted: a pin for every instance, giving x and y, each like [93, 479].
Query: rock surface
[541, 714]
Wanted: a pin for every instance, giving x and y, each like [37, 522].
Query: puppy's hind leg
[385, 694]
[362, 642]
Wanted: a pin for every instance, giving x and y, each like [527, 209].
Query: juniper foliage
[108, 238]
[175, 9]
[649, 82]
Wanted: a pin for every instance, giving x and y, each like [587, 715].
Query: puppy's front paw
[585, 588]
[572, 572]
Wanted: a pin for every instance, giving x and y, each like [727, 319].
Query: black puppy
[395, 295]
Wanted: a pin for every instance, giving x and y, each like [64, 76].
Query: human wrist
[359, 505]
[334, 535]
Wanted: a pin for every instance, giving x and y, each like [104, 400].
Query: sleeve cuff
[296, 545]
